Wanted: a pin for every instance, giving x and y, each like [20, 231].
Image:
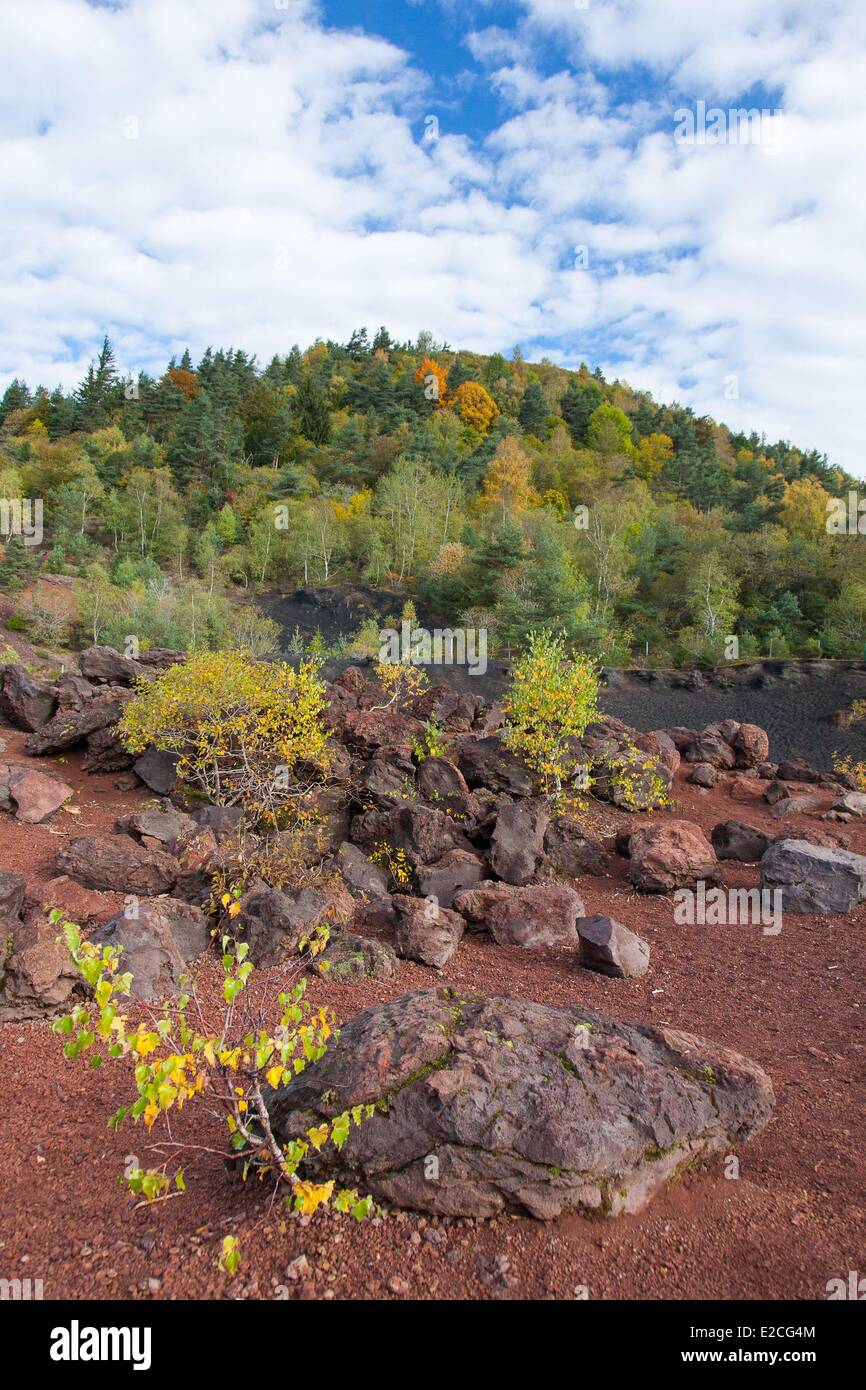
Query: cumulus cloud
[237, 172]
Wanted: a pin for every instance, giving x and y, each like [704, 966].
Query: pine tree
[194, 443]
[577, 405]
[458, 373]
[98, 393]
[60, 413]
[311, 411]
[15, 397]
[19, 564]
[534, 411]
[358, 346]
[496, 556]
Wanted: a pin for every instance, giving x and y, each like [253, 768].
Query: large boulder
[517, 843]
[681, 737]
[425, 834]
[798, 770]
[157, 770]
[635, 779]
[118, 864]
[569, 850]
[775, 791]
[487, 762]
[609, 948]
[710, 747]
[454, 710]
[105, 666]
[444, 786]
[275, 922]
[794, 806]
[424, 931]
[704, 775]
[160, 658]
[73, 691]
[661, 746]
[222, 820]
[349, 958]
[36, 794]
[72, 725]
[86, 906]
[12, 888]
[151, 824]
[751, 745]
[106, 752]
[370, 729]
[37, 977]
[746, 788]
[543, 915]
[197, 855]
[25, 701]
[499, 1104]
[389, 781]
[814, 878]
[456, 870]
[671, 854]
[158, 937]
[745, 843]
[360, 874]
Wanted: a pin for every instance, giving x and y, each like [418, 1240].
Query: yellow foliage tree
[475, 406]
[653, 452]
[804, 508]
[242, 728]
[507, 482]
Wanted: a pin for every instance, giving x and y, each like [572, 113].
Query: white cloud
[279, 189]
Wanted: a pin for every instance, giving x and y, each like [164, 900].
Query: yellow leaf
[318, 1136]
[310, 1195]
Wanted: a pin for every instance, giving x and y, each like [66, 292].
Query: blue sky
[433, 34]
[256, 173]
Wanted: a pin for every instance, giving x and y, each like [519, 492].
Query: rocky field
[581, 1093]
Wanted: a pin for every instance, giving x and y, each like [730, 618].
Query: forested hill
[502, 493]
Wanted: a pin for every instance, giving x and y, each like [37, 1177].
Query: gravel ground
[793, 1219]
[795, 713]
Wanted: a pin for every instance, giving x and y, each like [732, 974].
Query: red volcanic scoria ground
[793, 1219]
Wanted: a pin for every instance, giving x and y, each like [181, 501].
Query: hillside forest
[503, 494]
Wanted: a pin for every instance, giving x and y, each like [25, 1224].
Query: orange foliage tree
[434, 380]
[187, 382]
